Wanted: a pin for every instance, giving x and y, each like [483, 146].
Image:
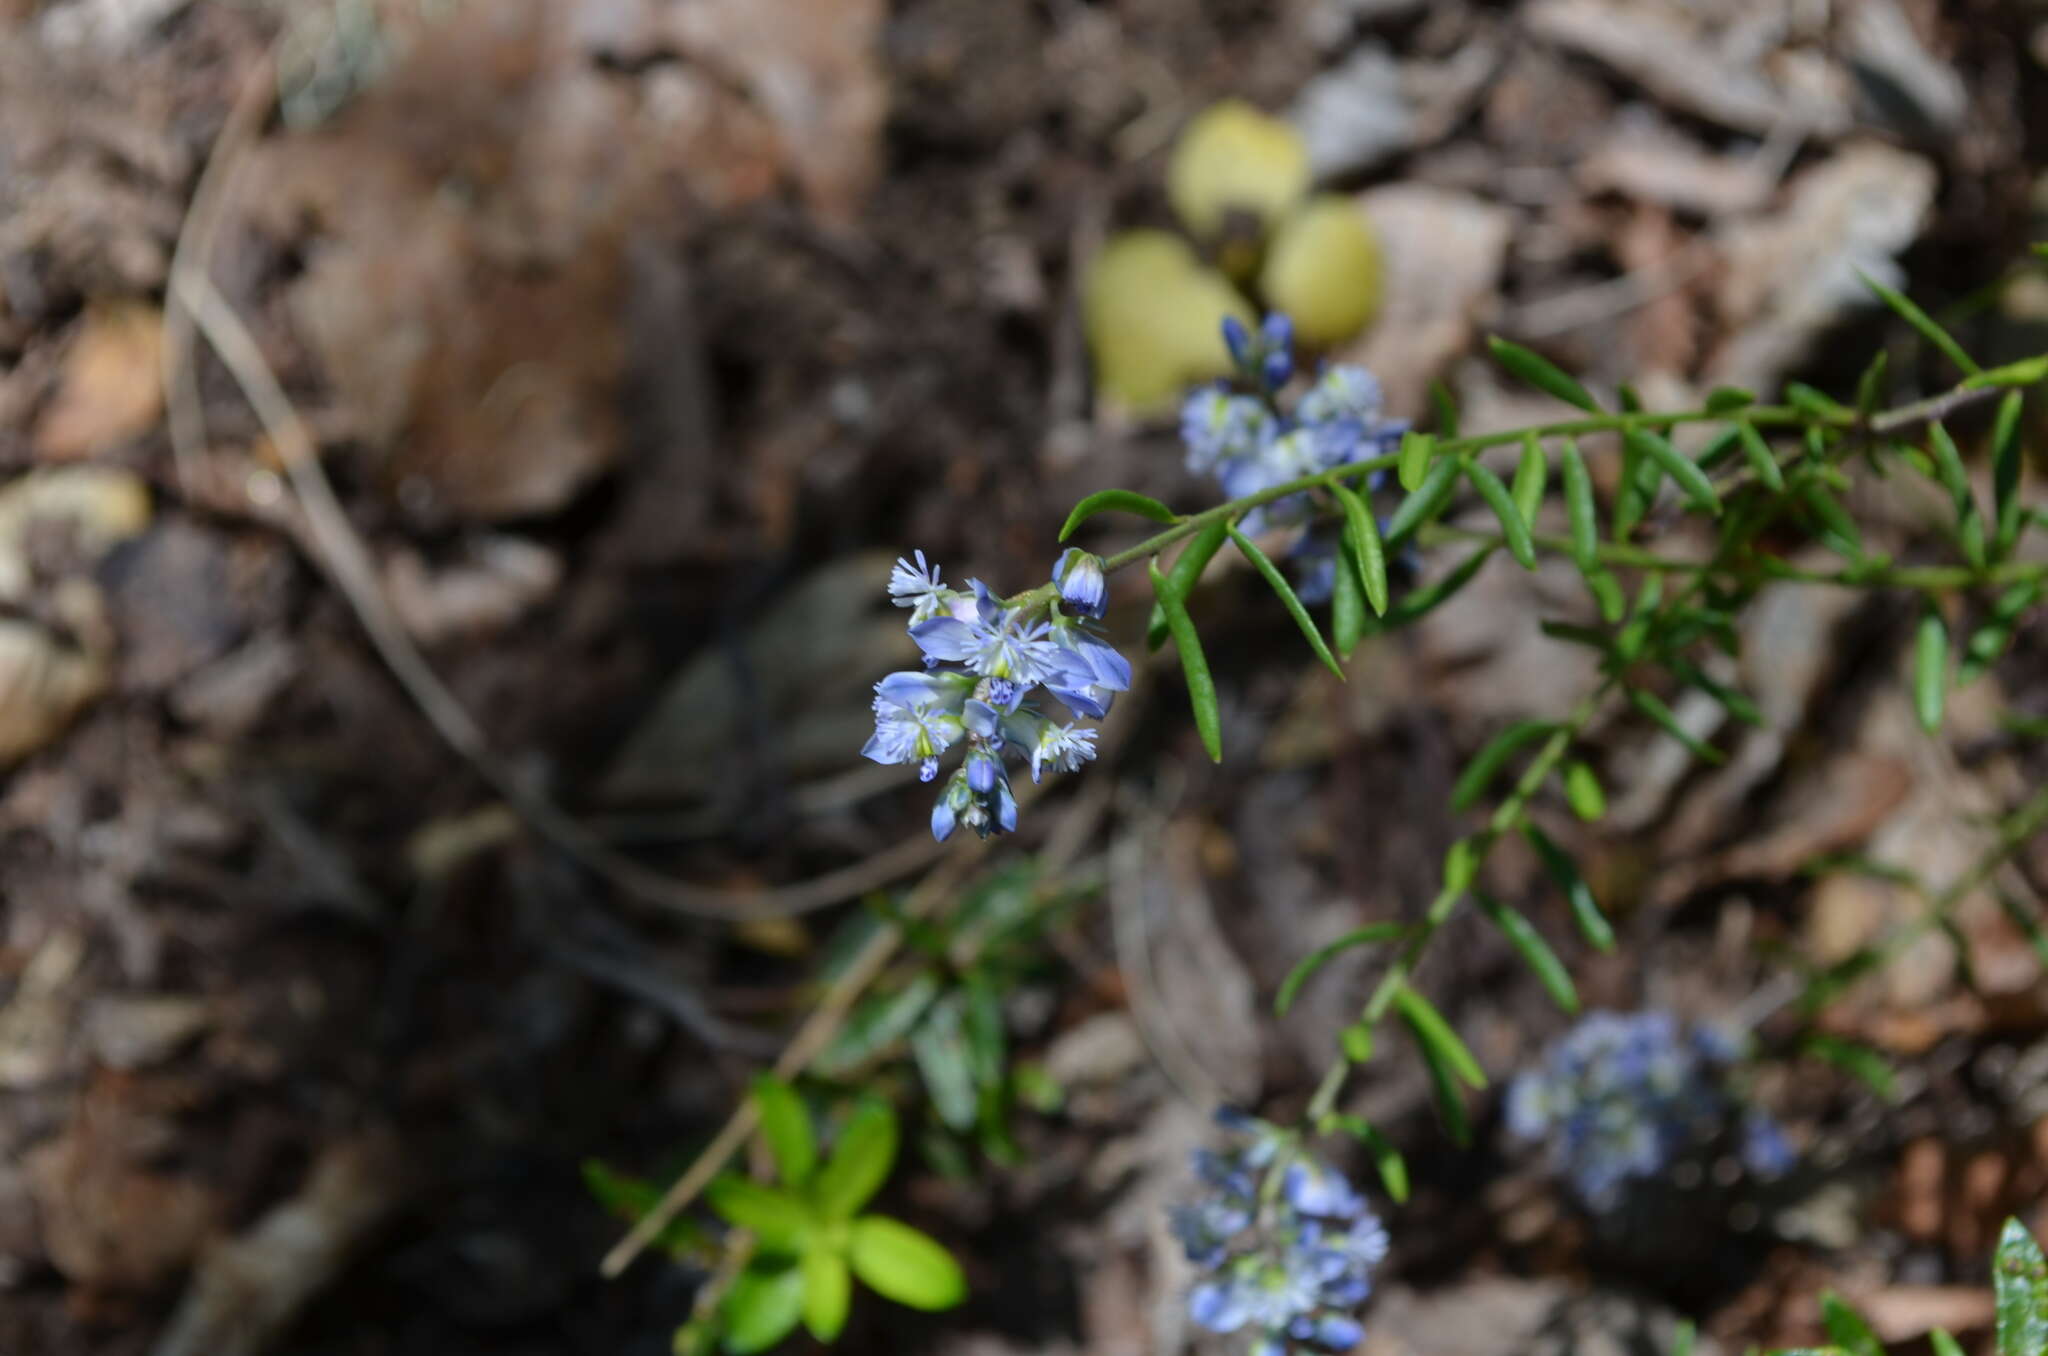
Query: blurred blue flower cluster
[1240, 434]
[1621, 1096]
[1284, 1244]
[984, 660]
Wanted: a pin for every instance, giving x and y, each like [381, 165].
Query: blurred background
[635, 338]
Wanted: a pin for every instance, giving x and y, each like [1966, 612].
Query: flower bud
[1078, 576]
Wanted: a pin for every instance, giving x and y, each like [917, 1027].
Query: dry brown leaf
[45, 680]
[110, 389]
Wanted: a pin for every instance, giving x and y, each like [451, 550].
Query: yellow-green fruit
[1323, 269]
[1154, 315]
[1233, 156]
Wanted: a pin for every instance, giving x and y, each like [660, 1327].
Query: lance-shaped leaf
[1362, 540]
[1640, 477]
[1425, 501]
[1943, 1344]
[1277, 581]
[1846, 1328]
[1651, 705]
[1930, 670]
[763, 1307]
[939, 1047]
[1290, 987]
[1185, 574]
[1870, 386]
[1606, 591]
[777, 1218]
[1728, 399]
[1393, 1169]
[1582, 791]
[1580, 510]
[1837, 529]
[1529, 944]
[1532, 478]
[1948, 468]
[1487, 763]
[1921, 321]
[1689, 477]
[1417, 603]
[1858, 1061]
[1814, 403]
[828, 1293]
[1435, 1036]
[1513, 529]
[1541, 373]
[1735, 703]
[1564, 874]
[1446, 410]
[1989, 641]
[1761, 461]
[1347, 610]
[2019, 1281]
[1118, 501]
[2025, 372]
[1194, 665]
[1719, 448]
[1413, 465]
[902, 1264]
[786, 1126]
[860, 1162]
[2005, 469]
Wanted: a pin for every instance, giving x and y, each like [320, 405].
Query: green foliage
[2019, 1279]
[1193, 663]
[810, 1235]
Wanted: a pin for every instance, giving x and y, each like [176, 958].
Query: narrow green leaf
[1606, 590]
[1651, 705]
[1185, 574]
[939, 1048]
[1117, 501]
[1870, 386]
[859, 1163]
[1416, 451]
[1446, 410]
[1592, 637]
[1838, 529]
[1194, 665]
[1761, 461]
[1529, 943]
[1813, 403]
[900, 1263]
[1858, 1061]
[1640, 477]
[1512, 526]
[1943, 1344]
[1532, 478]
[1368, 554]
[828, 1293]
[1347, 610]
[2025, 372]
[1683, 1336]
[1436, 1037]
[1564, 874]
[1930, 670]
[877, 1024]
[1846, 1327]
[1923, 322]
[2019, 1281]
[1678, 466]
[1393, 1169]
[1356, 1042]
[1448, 1096]
[1461, 866]
[1540, 372]
[1290, 987]
[1425, 501]
[762, 1307]
[1583, 793]
[1737, 704]
[630, 1198]
[777, 1218]
[786, 1126]
[1580, 510]
[1419, 602]
[1487, 763]
[1719, 448]
[1277, 581]
[1728, 399]
[2006, 461]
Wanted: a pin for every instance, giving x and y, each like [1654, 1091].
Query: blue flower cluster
[984, 659]
[1621, 1096]
[1240, 434]
[1286, 1246]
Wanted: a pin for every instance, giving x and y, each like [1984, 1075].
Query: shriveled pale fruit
[1232, 156]
[1323, 269]
[1154, 314]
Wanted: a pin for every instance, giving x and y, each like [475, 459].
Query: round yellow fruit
[1232, 156]
[1323, 269]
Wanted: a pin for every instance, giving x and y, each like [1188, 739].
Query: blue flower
[1216, 426]
[1619, 1097]
[1285, 1246]
[1078, 576]
[1342, 392]
[985, 658]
